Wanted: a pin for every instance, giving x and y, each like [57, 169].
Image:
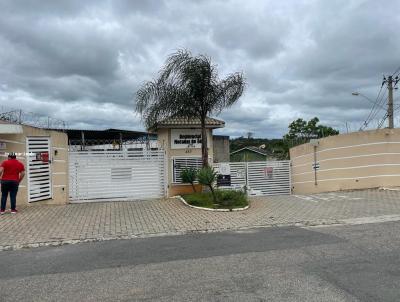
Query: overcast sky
[83, 61]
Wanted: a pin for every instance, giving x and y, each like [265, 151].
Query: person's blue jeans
[9, 186]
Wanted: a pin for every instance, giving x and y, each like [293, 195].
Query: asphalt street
[342, 263]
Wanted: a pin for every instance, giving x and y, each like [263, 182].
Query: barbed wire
[19, 116]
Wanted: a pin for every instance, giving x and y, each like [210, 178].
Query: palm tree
[188, 86]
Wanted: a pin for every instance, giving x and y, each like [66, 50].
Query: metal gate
[116, 175]
[261, 177]
[38, 170]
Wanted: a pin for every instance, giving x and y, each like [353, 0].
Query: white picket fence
[116, 175]
[261, 177]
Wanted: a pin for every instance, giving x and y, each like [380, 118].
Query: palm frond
[187, 86]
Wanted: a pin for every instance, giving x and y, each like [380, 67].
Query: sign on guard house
[225, 169]
[186, 138]
[224, 176]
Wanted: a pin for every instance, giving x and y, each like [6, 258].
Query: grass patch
[226, 199]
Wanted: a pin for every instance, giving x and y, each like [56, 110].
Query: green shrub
[189, 175]
[207, 177]
[231, 198]
[227, 199]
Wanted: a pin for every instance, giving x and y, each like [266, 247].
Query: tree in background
[300, 132]
[308, 130]
[188, 86]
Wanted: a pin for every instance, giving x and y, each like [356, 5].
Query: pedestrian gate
[116, 175]
[261, 177]
[38, 170]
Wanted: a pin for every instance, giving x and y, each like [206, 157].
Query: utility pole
[390, 85]
[390, 101]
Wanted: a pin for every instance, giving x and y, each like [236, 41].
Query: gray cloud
[83, 61]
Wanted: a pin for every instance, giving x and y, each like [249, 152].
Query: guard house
[180, 137]
[45, 156]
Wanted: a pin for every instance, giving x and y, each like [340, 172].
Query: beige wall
[359, 160]
[164, 139]
[221, 148]
[59, 163]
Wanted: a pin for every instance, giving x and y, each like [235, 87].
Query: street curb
[208, 209]
[303, 224]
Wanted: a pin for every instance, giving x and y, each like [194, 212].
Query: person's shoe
[2, 212]
[14, 211]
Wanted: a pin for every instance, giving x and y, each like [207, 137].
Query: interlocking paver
[97, 221]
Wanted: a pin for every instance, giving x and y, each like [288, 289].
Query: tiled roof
[184, 121]
[256, 149]
[253, 149]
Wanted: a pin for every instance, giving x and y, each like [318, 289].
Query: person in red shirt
[12, 172]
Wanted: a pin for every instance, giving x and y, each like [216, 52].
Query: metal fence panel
[238, 173]
[269, 178]
[260, 178]
[180, 163]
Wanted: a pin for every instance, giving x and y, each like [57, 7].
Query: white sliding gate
[261, 177]
[116, 175]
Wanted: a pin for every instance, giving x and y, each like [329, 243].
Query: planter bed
[226, 200]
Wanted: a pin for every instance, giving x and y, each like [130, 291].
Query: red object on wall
[43, 156]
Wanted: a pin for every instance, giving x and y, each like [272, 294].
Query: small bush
[189, 175]
[227, 199]
[231, 198]
[207, 177]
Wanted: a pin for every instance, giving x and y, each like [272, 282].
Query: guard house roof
[192, 122]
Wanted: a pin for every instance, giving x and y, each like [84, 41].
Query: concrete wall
[357, 160]
[59, 163]
[221, 148]
[164, 140]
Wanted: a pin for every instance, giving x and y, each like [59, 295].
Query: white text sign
[185, 138]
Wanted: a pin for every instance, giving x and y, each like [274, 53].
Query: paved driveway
[46, 224]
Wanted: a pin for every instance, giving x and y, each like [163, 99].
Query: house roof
[252, 149]
[192, 122]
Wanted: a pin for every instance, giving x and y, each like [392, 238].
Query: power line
[391, 81]
[386, 116]
[397, 70]
[381, 102]
[374, 109]
[383, 120]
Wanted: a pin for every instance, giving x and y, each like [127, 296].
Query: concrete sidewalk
[38, 225]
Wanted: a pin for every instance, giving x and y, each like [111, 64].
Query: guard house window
[181, 163]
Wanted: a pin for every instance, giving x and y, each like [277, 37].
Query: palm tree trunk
[204, 149]
[213, 194]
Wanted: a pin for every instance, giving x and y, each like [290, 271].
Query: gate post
[246, 166]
